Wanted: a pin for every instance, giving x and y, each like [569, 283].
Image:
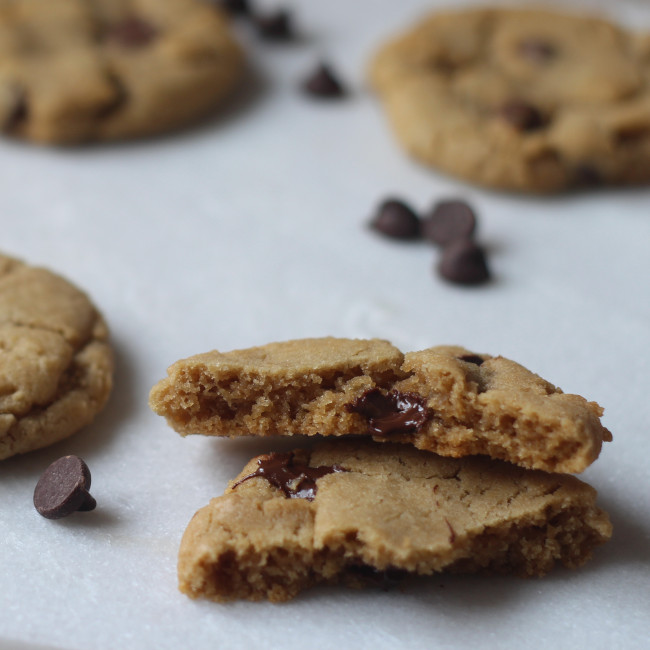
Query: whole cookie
[56, 365]
[74, 70]
[444, 399]
[521, 100]
[349, 511]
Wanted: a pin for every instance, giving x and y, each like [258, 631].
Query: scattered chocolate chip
[537, 50]
[452, 532]
[472, 358]
[132, 32]
[295, 480]
[397, 220]
[587, 176]
[275, 26]
[521, 116]
[236, 7]
[63, 489]
[393, 412]
[323, 83]
[449, 220]
[463, 262]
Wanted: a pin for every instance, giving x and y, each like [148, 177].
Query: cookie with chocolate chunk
[517, 99]
[352, 511]
[56, 365]
[73, 70]
[444, 399]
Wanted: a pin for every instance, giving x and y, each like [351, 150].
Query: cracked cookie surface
[79, 70]
[56, 364]
[444, 399]
[521, 100]
[378, 510]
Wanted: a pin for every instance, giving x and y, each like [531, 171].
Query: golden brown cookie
[444, 399]
[78, 70]
[56, 365]
[349, 511]
[518, 99]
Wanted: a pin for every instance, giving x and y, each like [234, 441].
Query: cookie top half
[444, 399]
[521, 100]
[56, 365]
[78, 70]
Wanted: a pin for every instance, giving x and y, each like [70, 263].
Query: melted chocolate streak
[393, 412]
[295, 480]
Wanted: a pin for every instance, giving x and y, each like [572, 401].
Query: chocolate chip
[587, 176]
[323, 83]
[397, 220]
[522, 116]
[275, 26]
[393, 412]
[472, 358]
[19, 111]
[297, 481]
[463, 262]
[236, 7]
[63, 489]
[449, 220]
[537, 50]
[132, 32]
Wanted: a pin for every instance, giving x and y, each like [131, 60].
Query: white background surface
[252, 229]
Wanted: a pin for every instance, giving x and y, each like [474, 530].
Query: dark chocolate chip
[393, 412]
[323, 83]
[472, 358]
[587, 175]
[449, 220]
[537, 50]
[132, 32]
[521, 115]
[275, 26]
[463, 262]
[63, 489]
[295, 480]
[19, 111]
[236, 7]
[397, 220]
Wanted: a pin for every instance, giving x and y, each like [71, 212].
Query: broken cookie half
[444, 399]
[353, 511]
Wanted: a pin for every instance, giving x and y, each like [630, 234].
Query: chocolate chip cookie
[79, 70]
[359, 511]
[56, 365]
[444, 399]
[527, 100]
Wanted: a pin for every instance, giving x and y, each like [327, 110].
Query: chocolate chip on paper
[463, 262]
[324, 83]
[395, 219]
[449, 220]
[63, 489]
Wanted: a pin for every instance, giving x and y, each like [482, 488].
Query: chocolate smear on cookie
[472, 358]
[521, 115]
[393, 412]
[297, 481]
[132, 32]
[536, 50]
